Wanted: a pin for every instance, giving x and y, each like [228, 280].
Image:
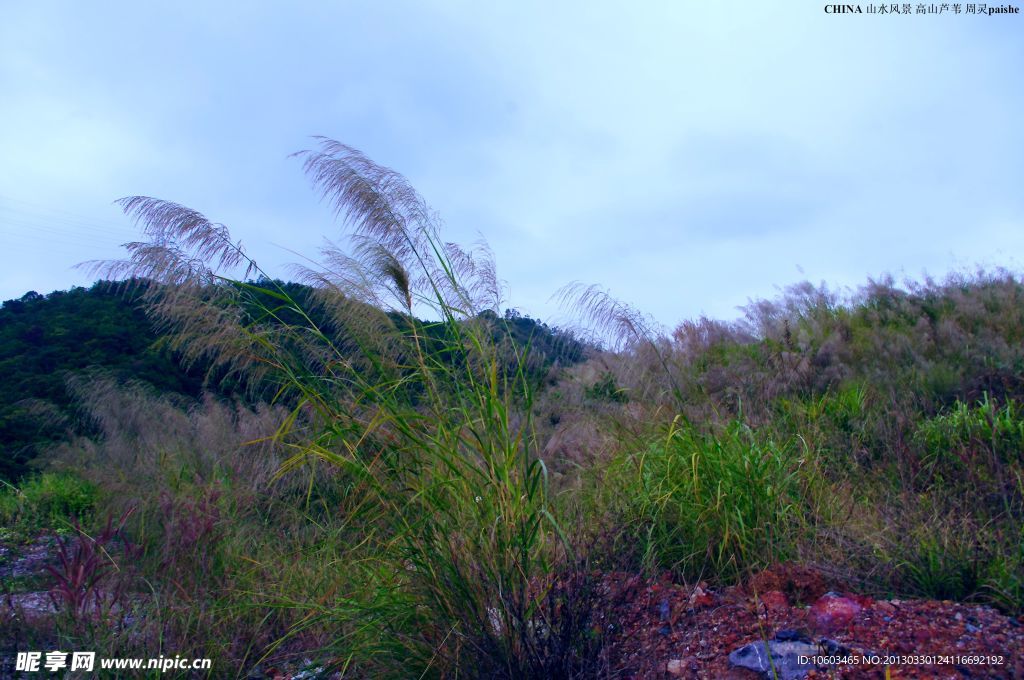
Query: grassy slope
[419, 501]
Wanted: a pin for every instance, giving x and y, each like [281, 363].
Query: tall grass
[47, 501]
[981, 445]
[712, 506]
[424, 425]
[902, 403]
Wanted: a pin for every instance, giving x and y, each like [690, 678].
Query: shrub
[48, 501]
[605, 389]
[944, 564]
[709, 504]
[980, 445]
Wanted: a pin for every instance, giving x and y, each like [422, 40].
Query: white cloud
[686, 156]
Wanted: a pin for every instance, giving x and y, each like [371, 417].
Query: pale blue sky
[687, 156]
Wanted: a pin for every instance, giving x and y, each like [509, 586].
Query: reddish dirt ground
[668, 630]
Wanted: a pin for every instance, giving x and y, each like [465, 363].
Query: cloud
[686, 156]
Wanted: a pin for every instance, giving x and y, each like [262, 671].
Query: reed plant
[425, 426]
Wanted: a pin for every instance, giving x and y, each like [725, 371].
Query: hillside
[43, 338]
[47, 339]
[418, 483]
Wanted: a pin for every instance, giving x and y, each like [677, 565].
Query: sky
[686, 156]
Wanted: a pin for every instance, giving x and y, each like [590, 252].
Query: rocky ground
[669, 630]
[782, 621]
[24, 579]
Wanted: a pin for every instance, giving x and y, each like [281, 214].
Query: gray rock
[27, 606]
[776, 658]
[30, 560]
[792, 635]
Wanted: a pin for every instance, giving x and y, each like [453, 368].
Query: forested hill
[46, 338]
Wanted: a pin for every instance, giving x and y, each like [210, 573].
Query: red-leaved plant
[89, 583]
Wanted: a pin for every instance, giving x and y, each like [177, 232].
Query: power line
[45, 235]
[51, 216]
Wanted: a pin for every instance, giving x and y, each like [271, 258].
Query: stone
[700, 597]
[776, 658]
[309, 674]
[832, 613]
[832, 647]
[774, 601]
[792, 635]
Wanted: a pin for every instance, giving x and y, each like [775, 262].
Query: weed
[48, 501]
[710, 505]
[89, 584]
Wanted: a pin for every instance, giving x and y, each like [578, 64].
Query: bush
[48, 501]
[979, 448]
[709, 504]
